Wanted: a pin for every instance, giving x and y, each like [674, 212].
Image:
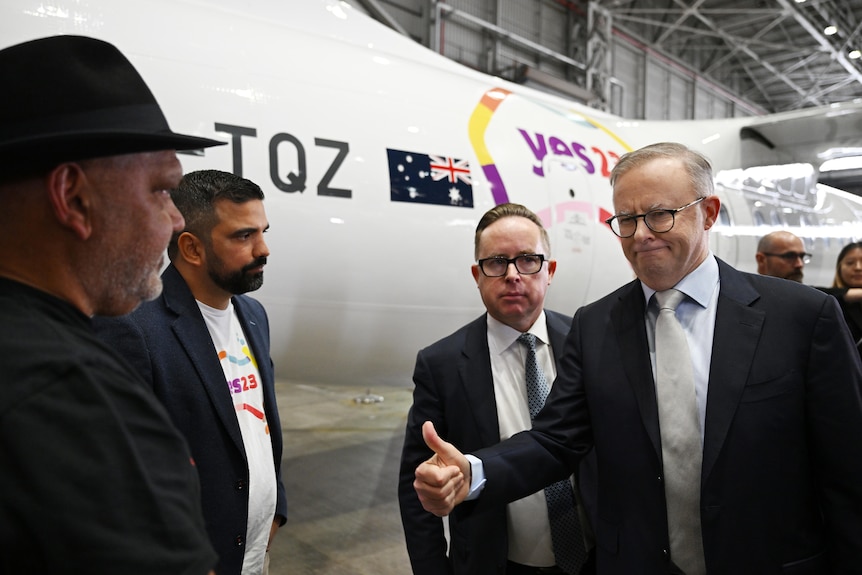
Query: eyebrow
[648, 209]
[248, 230]
[506, 256]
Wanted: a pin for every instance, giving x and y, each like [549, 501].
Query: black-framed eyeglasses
[659, 221]
[526, 264]
[791, 257]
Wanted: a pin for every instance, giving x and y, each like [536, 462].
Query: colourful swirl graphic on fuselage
[479, 121]
[478, 124]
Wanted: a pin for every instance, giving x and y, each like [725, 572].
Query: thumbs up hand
[443, 481]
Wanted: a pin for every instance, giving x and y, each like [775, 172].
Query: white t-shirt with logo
[246, 390]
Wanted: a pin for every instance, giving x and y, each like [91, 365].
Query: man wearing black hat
[94, 478]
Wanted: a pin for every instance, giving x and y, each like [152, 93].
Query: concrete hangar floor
[340, 467]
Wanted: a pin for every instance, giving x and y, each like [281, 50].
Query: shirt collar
[697, 285]
[502, 336]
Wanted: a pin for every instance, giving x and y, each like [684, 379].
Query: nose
[177, 220]
[512, 272]
[261, 249]
[642, 231]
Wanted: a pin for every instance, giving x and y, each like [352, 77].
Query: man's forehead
[787, 243]
[228, 205]
[239, 213]
[642, 201]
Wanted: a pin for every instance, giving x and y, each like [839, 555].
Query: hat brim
[48, 150]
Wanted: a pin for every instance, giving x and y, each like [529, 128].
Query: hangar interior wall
[555, 45]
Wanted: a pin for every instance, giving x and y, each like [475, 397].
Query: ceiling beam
[731, 41]
[837, 55]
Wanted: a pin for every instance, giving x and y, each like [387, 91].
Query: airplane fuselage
[378, 157]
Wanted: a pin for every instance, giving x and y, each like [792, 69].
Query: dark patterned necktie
[566, 534]
[679, 424]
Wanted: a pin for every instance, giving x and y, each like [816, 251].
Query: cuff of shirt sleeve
[478, 477]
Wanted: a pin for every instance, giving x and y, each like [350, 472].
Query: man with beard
[204, 349]
[781, 254]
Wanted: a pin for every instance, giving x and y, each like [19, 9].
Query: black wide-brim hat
[67, 98]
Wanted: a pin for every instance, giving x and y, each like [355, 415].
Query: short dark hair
[196, 195]
[509, 210]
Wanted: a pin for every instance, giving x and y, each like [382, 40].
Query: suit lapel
[558, 329]
[628, 318]
[191, 332]
[737, 330]
[474, 371]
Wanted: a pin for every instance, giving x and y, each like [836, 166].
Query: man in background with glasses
[471, 384]
[756, 471]
[781, 255]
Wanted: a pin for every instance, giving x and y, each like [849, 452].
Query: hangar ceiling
[777, 54]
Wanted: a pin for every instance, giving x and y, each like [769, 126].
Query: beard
[120, 284]
[236, 282]
[795, 276]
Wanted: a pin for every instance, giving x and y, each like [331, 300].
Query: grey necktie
[681, 449]
[566, 534]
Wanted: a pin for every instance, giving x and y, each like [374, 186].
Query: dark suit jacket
[781, 485]
[455, 390]
[852, 311]
[167, 341]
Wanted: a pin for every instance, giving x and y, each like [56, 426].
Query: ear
[191, 249]
[474, 269]
[552, 269]
[761, 262]
[712, 206]
[71, 198]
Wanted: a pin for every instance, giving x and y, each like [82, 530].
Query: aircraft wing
[811, 136]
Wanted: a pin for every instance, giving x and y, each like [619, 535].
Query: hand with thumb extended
[443, 481]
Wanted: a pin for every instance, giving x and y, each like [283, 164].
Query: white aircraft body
[378, 157]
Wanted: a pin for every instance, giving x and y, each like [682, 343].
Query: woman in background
[847, 288]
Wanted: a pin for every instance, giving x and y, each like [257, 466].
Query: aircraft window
[775, 218]
[758, 219]
[806, 220]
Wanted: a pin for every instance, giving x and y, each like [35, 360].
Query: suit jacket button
[660, 478]
[240, 541]
[665, 554]
[240, 485]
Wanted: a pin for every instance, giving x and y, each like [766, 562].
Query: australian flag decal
[427, 179]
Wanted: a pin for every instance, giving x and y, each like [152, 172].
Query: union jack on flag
[450, 168]
[427, 179]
